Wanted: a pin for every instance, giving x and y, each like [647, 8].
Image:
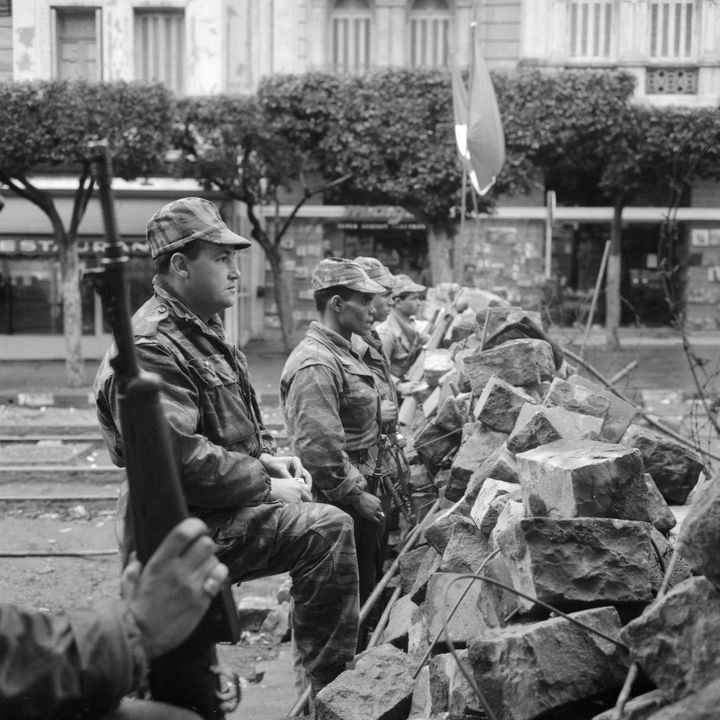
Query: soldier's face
[382, 304]
[357, 314]
[210, 278]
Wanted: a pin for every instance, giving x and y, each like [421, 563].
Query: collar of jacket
[181, 310]
[325, 335]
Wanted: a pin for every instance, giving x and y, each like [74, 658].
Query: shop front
[31, 304]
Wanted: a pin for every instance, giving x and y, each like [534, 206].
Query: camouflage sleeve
[211, 476]
[312, 413]
[267, 441]
[387, 339]
[51, 665]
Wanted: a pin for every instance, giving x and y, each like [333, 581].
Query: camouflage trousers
[314, 543]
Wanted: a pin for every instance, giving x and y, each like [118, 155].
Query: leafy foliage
[48, 124]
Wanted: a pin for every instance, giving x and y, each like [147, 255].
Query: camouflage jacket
[211, 408]
[370, 350]
[69, 664]
[331, 407]
[401, 342]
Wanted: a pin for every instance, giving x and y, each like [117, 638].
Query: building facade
[200, 47]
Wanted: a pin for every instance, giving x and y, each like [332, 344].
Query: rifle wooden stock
[187, 676]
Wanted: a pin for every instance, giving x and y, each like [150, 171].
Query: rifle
[187, 676]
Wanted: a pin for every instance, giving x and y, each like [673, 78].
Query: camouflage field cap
[405, 284]
[187, 219]
[377, 271]
[332, 272]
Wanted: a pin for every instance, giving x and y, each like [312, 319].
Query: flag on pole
[478, 127]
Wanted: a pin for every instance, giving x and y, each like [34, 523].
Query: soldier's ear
[179, 264]
[335, 303]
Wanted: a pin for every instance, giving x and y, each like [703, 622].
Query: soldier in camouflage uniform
[253, 501]
[401, 339]
[332, 405]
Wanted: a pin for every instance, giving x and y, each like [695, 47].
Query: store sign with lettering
[14, 247]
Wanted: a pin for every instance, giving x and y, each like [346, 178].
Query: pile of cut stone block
[552, 489]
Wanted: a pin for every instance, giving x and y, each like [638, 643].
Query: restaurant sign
[39, 246]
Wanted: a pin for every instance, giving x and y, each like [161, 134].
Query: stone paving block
[478, 443]
[661, 516]
[380, 687]
[409, 564]
[485, 511]
[500, 465]
[429, 565]
[530, 669]
[518, 362]
[539, 425]
[584, 478]
[438, 531]
[582, 561]
[576, 398]
[699, 535]
[444, 590]
[398, 626]
[466, 549]
[499, 404]
[620, 413]
[674, 467]
[676, 640]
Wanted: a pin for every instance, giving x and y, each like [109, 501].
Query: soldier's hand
[169, 596]
[388, 411]
[368, 506]
[285, 466]
[289, 490]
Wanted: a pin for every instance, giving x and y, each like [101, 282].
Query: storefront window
[31, 298]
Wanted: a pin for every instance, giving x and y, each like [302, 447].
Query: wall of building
[506, 258]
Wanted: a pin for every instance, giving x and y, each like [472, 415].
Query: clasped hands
[290, 482]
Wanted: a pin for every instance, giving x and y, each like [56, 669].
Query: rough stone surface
[539, 425]
[620, 414]
[526, 670]
[576, 398]
[584, 478]
[499, 404]
[449, 688]
[418, 643]
[379, 687]
[702, 705]
[673, 467]
[661, 516]
[453, 412]
[501, 465]
[398, 626]
[466, 549]
[434, 446]
[444, 590]
[438, 532]
[699, 536]
[485, 511]
[677, 639]
[477, 445]
[518, 362]
[408, 565]
[429, 565]
[582, 561]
